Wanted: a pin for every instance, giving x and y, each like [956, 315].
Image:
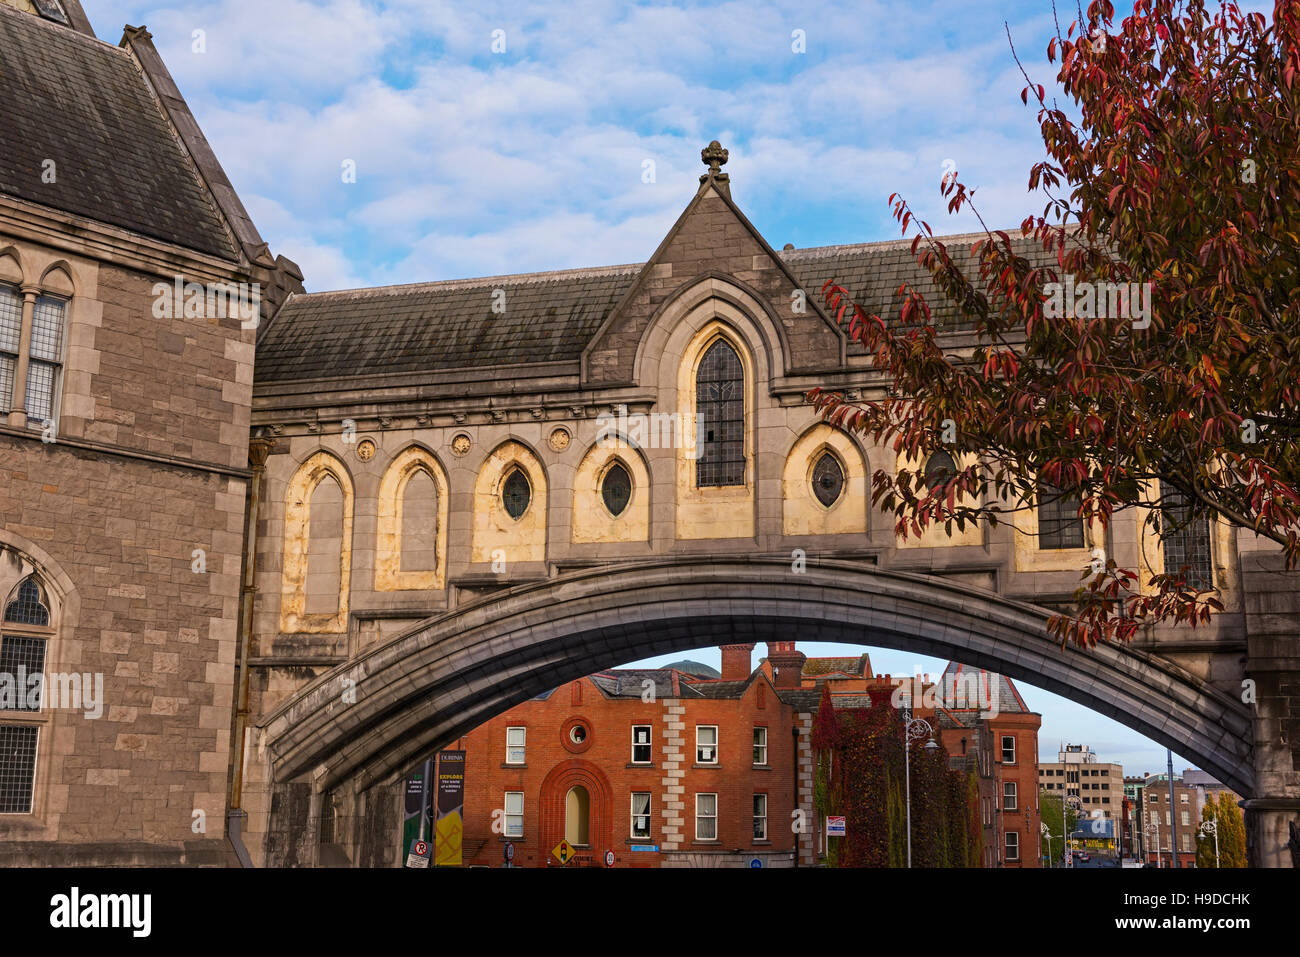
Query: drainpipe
[258, 449]
[794, 737]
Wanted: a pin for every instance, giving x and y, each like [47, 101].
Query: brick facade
[603, 765]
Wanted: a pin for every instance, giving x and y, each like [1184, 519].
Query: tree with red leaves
[1172, 382]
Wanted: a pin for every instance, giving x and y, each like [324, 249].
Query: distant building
[1159, 818]
[1134, 833]
[1076, 772]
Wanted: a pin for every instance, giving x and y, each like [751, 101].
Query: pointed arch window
[516, 493]
[828, 479]
[720, 412]
[25, 632]
[616, 489]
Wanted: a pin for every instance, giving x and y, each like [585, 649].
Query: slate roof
[1008, 698]
[425, 327]
[860, 665]
[626, 682]
[872, 273]
[85, 104]
[801, 699]
[549, 316]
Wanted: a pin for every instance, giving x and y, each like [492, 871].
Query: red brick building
[661, 767]
[984, 725]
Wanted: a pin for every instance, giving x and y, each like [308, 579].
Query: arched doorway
[577, 816]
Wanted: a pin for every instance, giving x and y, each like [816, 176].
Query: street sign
[509, 850]
[835, 826]
[755, 863]
[609, 858]
[563, 852]
[419, 856]
[648, 848]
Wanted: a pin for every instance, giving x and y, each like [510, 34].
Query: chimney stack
[736, 662]
[787, 664]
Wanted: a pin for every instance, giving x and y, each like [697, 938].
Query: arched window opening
[28, 606]
[939, 468]
[616, 489]
[828, 479]
[25, 631]
[577, 813]
[516, 493]
[720, 417]
[419, 523]
[325, 548]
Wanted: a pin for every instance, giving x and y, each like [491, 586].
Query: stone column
[1272, 603]
[18, 404]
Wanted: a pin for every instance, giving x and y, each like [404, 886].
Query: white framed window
[1182, 799]
[760, 746]
[514, 814]
[706, 817]
[706, 744]
[760, 817]
[515, 740]
[1008, 749]
[1009, 795]
[641, 751]
[640, 814]
[1012, 843]
[1182, 815]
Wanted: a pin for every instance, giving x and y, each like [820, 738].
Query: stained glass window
[516, 493]
[828, 479]
[939, 468]
[616, 489]
[720, 408]
[27, 608]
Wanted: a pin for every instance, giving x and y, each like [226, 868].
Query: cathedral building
[257, 593]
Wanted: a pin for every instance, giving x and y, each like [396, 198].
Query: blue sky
[471, 163]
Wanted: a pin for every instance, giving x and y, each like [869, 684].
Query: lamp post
[914, 729]
[1154, 829]
[1212, 827]
[1047, 833]
[1074, 804]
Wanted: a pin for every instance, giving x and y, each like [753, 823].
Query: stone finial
[714, 156]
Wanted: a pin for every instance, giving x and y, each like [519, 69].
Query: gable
[713, 237]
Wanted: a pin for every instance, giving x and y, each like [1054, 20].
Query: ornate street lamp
[1212, 827]
[914, 729]
[1067, 836]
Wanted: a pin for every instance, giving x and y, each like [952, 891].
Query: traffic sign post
[609, 858]
[563, 852]
[419, 856]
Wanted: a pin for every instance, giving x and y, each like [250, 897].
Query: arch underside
[421, 690]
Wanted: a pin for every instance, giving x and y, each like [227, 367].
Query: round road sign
[609, 858]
